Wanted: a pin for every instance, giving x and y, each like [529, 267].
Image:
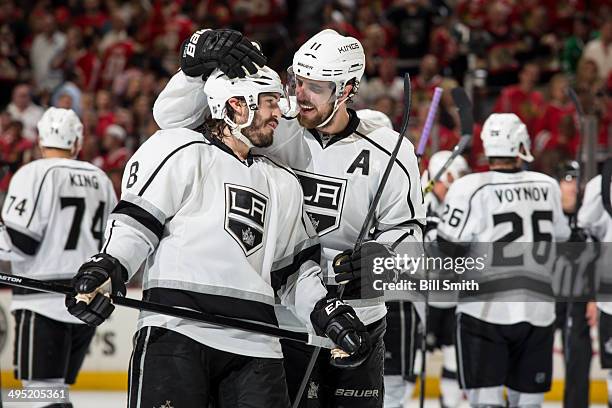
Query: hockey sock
[55, 384]
[486, 397]
[408, 390]
[518, 399]
[394, 391]
[449, 386]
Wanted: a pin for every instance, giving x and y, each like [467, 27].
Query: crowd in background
[108, 60]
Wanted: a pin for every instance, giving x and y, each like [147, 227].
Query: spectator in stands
[117, 32]
[105, 111]
[548, 129]
[15, 151]
[13, 65]
[600, 50]
[522, 98]
[387, 105]
[24, 110]
[574, 45]
[387, 82]
[116, 154]
[47, 45]
[412, 22]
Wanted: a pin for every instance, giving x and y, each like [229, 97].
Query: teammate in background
[595, 217]
[582, 315]
[339, 160]
[54, 214]
[403, 360]
[223, 231]
[504, 343]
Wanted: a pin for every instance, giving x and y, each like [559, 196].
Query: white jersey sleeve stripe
[152, 177]
[144, 221]
[145, 205]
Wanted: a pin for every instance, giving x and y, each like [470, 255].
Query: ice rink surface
[118, 400]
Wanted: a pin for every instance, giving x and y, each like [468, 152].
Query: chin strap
[236, 129]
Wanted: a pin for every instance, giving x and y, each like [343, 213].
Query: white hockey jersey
[508, 206]
[593, 217]
[221, 235]
[339, 176]
[55, 214]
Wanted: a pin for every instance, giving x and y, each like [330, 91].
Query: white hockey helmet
[60, 129]
[331, 57]
[219, 89]
[375, 116]
[503, 135]
[457, 168]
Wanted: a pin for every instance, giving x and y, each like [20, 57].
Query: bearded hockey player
[595, 217]
[221, 230]
[54, 214]
[339, 160]
[504, 343]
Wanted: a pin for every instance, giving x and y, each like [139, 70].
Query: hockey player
[595, 217]
[221, 230]
[55, 213]
[574, 318]
[404, 327]
[504, 343]
[339, 160]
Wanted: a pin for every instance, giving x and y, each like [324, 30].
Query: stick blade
[464, 105]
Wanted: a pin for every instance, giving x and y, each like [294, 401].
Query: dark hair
[216, 126]
[502, 160]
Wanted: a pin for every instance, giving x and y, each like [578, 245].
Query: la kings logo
[245, 216]
[323, 200]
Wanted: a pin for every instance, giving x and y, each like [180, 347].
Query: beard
[259, 133]
[316, 116]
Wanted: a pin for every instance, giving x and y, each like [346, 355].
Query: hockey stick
[183, 313]
[464, 105]
[569, 310]
[383, 181]
[431, 115]
[467, 125]
[366, 222]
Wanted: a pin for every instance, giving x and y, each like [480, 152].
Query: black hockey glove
[225, 49]
[338, 321]
[99, 276]
[356, 270]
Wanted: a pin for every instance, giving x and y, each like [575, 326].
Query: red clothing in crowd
[115, 61]
[550, 123]
[12, 153]
[526, 105]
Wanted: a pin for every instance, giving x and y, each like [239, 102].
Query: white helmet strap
[236, 129]
[337, 105]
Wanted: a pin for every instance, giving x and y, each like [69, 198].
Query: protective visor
[308, 93]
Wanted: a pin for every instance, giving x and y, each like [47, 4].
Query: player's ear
[239, 110]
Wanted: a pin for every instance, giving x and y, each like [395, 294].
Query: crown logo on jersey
[248, 237]
[314, 221]
[167, 405]
[313, 390]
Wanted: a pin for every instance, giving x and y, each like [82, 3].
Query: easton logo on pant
[245, 216]
[323, 200]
